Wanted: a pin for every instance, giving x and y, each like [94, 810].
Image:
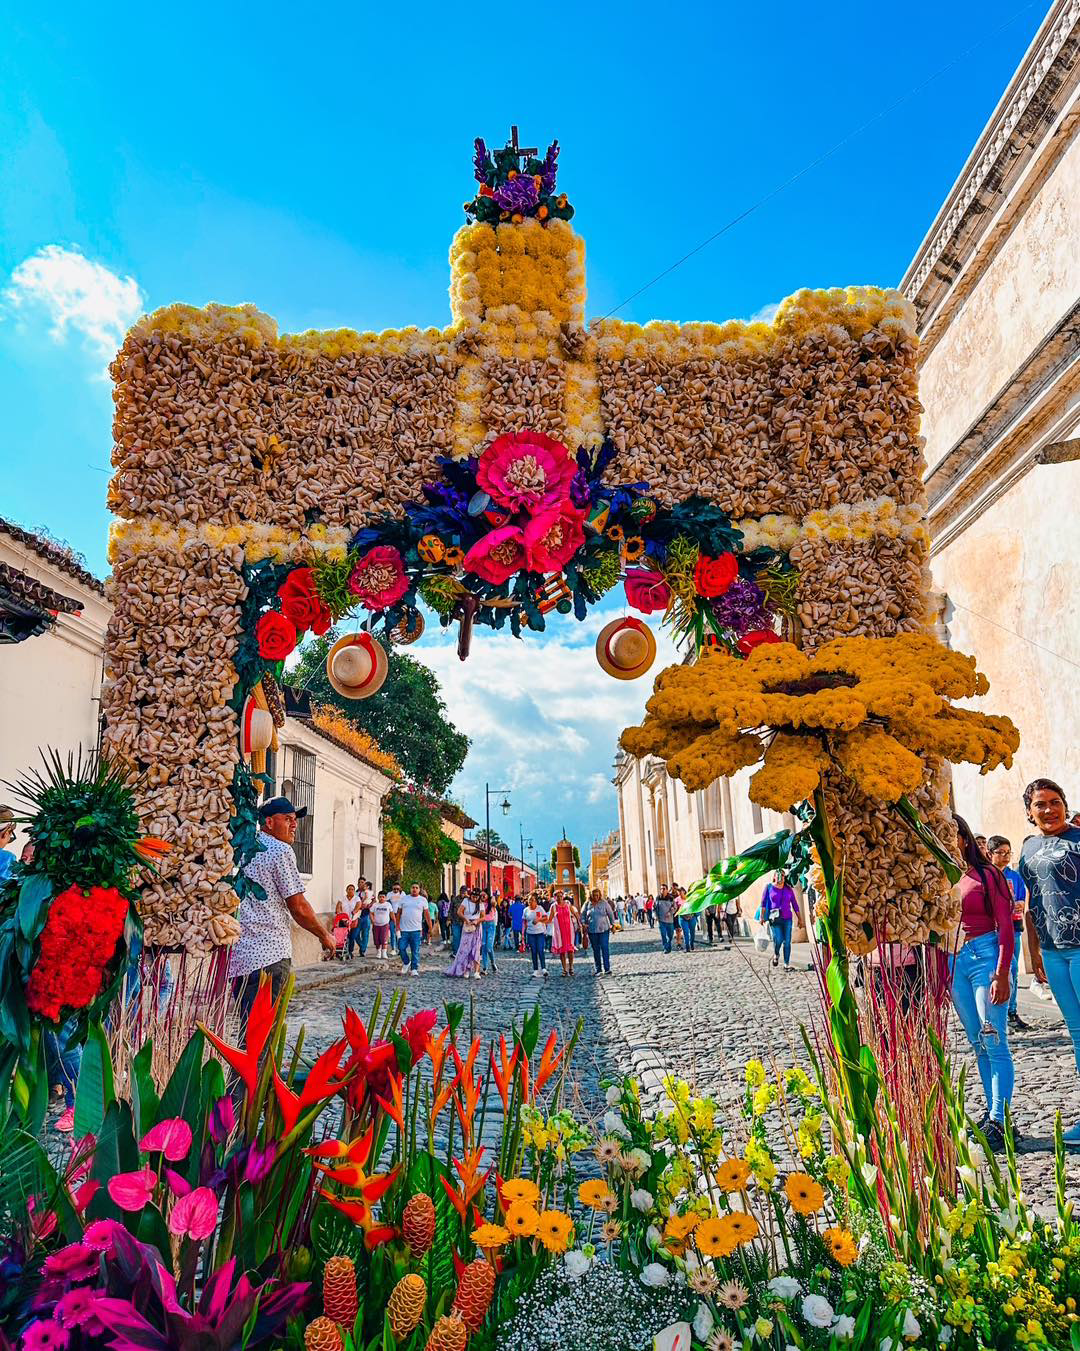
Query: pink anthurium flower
[171, 1137]
[131, 1191]
[195, 1215]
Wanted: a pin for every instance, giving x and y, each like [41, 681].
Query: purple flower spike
[480, 161]
[222, 1120]
[550, 169]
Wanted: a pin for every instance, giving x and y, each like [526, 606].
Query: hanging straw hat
[626, 648]
[356, 666]
[256, 728]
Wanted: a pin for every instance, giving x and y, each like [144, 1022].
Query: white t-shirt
[411, 909]
[380, 912]
[535, 919]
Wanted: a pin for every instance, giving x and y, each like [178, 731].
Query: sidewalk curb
[645, 1062]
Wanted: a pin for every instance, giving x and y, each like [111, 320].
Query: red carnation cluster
[77, 944]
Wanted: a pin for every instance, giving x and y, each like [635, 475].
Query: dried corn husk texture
[233, 441]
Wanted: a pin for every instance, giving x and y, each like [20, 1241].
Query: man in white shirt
[267, 913]
[409, 912]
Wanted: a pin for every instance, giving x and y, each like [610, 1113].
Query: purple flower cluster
[580, 493]
[742, 607]
[550, 169]
[519, 194]
[481, 163]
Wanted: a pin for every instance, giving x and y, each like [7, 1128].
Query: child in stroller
[342, 924]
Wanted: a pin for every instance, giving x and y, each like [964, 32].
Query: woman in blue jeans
[488, 926]
[980, 972]
[778, 909]
[1050, 865]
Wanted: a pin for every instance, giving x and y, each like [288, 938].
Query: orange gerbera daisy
[679, 1227]
[732, 1175]
[594, 1193]
[841, 1246]
[554, 1229]
[805, 1196]
[714, 1238]
[521, 1219]
[742, 1227]
[519, 1189]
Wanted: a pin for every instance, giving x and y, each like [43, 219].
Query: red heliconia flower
[322, 1082]
[417, 1032]
[259, 1023]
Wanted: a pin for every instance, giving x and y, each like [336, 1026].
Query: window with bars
[302, 775]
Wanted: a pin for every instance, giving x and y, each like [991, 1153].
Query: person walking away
[779, 908]
[687, 922]
[537, 918]
[456, 911]
[620, 912]
[1050, 867]
[466, 960]
[444, 918]
[517, 922]
[489, 923]
[264, 947]
[502, 927]
[1000, 851]
[663, 911]
[409, 914]
[381, 915]
[601, 918]
[732, 911]
[564, 919]
[980, 973]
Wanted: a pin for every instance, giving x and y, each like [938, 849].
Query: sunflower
[610, 1231]
[607, 1150]
[742, 1227]
[519, 1189]
[733, 1295]
[732, 1175]
[841, 1246]
[594, 1193]
[702, 1281]
[714, 1238]
[454, 556]
[633, 548]
[489, 1236]
[522, 1219]
[615, 532]
[554, 1229]
[805, 1196]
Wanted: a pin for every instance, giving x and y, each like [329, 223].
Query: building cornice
[1019, 145]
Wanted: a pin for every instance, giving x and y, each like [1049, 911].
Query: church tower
[565, 868]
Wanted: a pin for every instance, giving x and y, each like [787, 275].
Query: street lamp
[525, 844]
[505, 805]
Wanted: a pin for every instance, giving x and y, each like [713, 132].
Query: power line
[1005, 629]
[826, 154]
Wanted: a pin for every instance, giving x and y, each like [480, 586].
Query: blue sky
[315, 164]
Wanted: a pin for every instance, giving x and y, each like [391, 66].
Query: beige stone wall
[1032, 281]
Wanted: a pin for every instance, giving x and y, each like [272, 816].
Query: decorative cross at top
[522, 152]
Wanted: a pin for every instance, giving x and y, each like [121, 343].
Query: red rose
[275, 635]
[755, 638]
[647, 590]
[713, 576]
[301, 603]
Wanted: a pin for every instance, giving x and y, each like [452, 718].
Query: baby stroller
[341, 936]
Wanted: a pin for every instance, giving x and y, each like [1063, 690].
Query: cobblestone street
[701, 1015]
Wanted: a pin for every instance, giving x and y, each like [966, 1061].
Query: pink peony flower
[525, 471]
[647, 590]
[171, 1138]
[378, 580]
[553, 537]
[195, 1215]
[44, 1335]
[131, 1191]
[498, 555]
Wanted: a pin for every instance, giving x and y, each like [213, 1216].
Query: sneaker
[66, 1120]
[494, 969]
[538, 974]
[994, 1132]
[776, 961]
[415, 971]
[1017, 1023]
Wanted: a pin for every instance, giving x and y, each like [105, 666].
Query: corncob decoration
[405, 1307]
[448, 1334]
[418, 1223]
[340, 1303]
[474, 1293]
[323, 1335]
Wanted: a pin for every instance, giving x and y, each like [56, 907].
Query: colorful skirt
[467, 955]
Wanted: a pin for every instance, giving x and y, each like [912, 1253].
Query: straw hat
[626, 648]
[256, 728]
[356, 666]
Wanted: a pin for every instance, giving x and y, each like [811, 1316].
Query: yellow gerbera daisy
[521, 1219]
[713, 1238]
[554, 1229]
[519, 1189]
[489, 1236]
[742, 1227]
[593, 1193]
[841, 1246]
[732, 1175]
[805, 1196]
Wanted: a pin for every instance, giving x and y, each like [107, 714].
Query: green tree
[482, 840]
[406, 717]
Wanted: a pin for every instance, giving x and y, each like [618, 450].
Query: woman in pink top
[564, 932]
[981, 978]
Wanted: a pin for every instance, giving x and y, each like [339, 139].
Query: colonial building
[496, 870]
[600, 858]
[996, 286]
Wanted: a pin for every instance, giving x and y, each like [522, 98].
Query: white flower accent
[869, 1173]
[641, 1200]
[653, 1236]
[613, 1096]
[615, 1125]
[912, 1327]
[576, 1263]
[817, 1311]
[784, 1287]
[944, 1336]
[844, 1327]
[703, 1322]
[640, 1157]
[655, 1276]
[968, 1176]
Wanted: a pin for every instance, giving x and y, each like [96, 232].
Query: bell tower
[566, 866]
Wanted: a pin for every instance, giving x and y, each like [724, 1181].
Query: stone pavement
[700, 1015]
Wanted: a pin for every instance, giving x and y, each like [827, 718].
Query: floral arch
[514, 463]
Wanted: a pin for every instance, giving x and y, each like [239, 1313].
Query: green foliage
[485, 837]
[407, 716]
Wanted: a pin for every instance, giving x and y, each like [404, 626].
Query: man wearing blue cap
[267, 912]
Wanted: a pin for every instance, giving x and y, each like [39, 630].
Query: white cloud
[766, 314]
[78, 294]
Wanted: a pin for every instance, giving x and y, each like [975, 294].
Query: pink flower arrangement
[195, 1215]
[525, 471]
[647, 590]
[553, 537]
[171, 1137]
[378, 580]
[498, 555]
[75, 1262]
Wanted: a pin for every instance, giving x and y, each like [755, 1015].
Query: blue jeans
[688, 924]
[455, 936]
[63, 1060]
[487, 946]
[409, 947]
[781, 937]
[538, 949]
[362, 934]
[1014, 984]
[667, 934]
[973, 968]
[601, 950]
[1063, 973]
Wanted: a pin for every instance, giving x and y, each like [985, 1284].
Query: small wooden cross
[523, 152]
